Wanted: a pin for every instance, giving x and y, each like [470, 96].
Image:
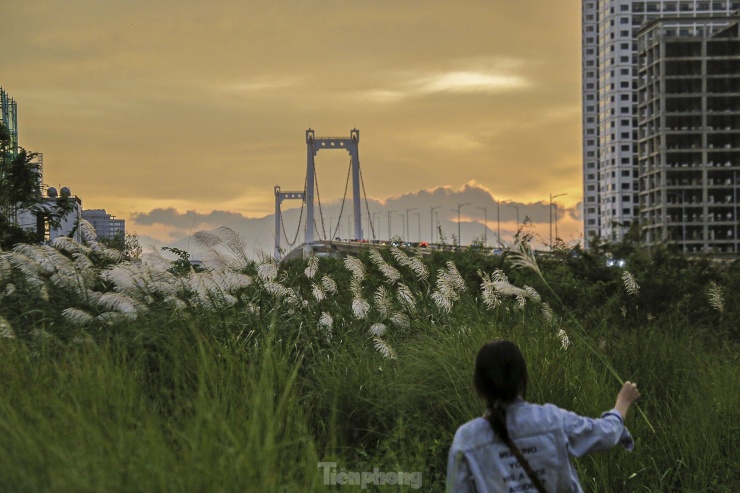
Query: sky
[183, 115]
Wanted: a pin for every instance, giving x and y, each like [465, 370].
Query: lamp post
[556, 209]
[431, 221]
[389, 225]
[407, 221]
[485, 230]
[376, 224]
[498, 222]
[459, 206]
[418, 223]
[517, 217]
[403, 224]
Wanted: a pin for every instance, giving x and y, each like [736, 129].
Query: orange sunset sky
[183, 115]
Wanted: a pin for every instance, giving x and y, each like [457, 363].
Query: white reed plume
[47, 258]
[5, 268]
[231, 281]
[488, 291]
[313, 266]
[6, 330]
[523, 257]
[78, 317]
[225, 248]
[30, 269]
[9, 290]
[355, 265]
[360, 307]
[415, 263]
[88, 234]
[208, 293]
[454, 278]
[716, 297]
[564, 339]
[116, 302]
[400, 320]
[326, 323]
[443, 303]
[533, 293]
[115, 318]
[390, 273]
[384, 348]
[293, 299]
[82, 262]
[520, 301]
[267, 271]
[630, 284]
[317, 292]
[377, 330]
[329, 285]
[276, 289]
[406, 298]
[383, 301]
[355, 286]
[69, 246]
[547, 312]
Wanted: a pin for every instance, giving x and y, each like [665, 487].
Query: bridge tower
[279, 197]
[314, 145]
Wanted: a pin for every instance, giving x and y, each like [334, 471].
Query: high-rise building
[9, 118]
[609, 78]
[106, 226]
[689, 132]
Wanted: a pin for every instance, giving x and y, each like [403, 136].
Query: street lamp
[498, 222]
[418, 222]
[517, 217]
[431, 220]
[407, 221]
[459, 206]
[389, 225]
[403, 224]
[556, 215]
[376, 224]
[485, 230]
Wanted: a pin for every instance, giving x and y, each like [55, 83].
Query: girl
[517, 446]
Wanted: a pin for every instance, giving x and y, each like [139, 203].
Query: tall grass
[151, 376]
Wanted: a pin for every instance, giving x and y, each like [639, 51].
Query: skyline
[139, 108]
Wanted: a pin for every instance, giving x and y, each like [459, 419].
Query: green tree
[20, 189]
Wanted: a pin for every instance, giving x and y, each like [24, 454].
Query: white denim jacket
[546, 436]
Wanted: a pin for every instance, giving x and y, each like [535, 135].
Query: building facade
[9, 118]
[609, 85]
[106, 226]
[689, 133]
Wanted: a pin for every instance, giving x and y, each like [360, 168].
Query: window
[626, 198]
[625, 173]
[624, 84]
[624, 123]
[624, 97]
[624, 59]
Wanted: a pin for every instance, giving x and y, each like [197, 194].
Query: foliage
[20, 189]
[151, 374]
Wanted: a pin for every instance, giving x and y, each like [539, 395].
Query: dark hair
[500, 377]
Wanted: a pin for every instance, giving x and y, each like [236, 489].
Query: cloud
[187, 220]
[470, 82]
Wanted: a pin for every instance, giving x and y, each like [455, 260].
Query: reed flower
[360, 307]
[716, 297]
[390, 273]
[630, 284]
[400, 320]
[267, 271]
[317, 291]
[384, 348]
[355, 265]
[6, 330]
[383, 301]
[406, 298]
[78, 317]
[377, 330]
[328, 285]
[313, 266]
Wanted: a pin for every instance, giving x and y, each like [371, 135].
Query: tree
[20, 189]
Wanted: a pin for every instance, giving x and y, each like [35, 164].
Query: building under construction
[689, 133]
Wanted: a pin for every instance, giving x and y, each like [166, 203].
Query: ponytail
[496, 417]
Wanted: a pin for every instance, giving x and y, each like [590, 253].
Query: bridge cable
[367, 206]
[321, 211]
[300, 218]
[344, 199]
